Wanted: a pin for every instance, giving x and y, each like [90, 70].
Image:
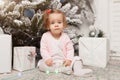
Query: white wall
[114, 23]
[102, 8]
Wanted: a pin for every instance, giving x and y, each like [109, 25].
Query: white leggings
[43, 67]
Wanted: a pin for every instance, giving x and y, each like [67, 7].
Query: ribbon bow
[48, 11]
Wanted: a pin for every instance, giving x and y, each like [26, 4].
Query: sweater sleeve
[44, 48]
[69, 48]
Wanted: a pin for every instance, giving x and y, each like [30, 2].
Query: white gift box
[5, 53]
[24, 58]
[93, 51]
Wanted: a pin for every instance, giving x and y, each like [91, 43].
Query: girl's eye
[59, 22]
[52, 22]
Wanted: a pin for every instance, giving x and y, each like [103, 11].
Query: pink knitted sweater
[47, 41]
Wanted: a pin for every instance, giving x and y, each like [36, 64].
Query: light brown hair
[46, 14]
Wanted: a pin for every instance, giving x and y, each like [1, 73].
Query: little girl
[56, 47]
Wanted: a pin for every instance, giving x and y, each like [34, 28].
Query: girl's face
[56, 24]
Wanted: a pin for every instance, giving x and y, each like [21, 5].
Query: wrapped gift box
[93, 51]
[24, 58]
[5, 53]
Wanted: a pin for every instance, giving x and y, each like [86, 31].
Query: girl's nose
[56, 25]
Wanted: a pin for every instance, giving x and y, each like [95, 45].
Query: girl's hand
[67, 62]
[49, 62]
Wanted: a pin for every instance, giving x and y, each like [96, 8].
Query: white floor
[6, 74]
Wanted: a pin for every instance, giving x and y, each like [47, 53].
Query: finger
[65, 64]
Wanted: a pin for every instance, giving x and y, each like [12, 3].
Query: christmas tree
[23, 19]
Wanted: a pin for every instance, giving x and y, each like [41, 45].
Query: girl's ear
[64, 26]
